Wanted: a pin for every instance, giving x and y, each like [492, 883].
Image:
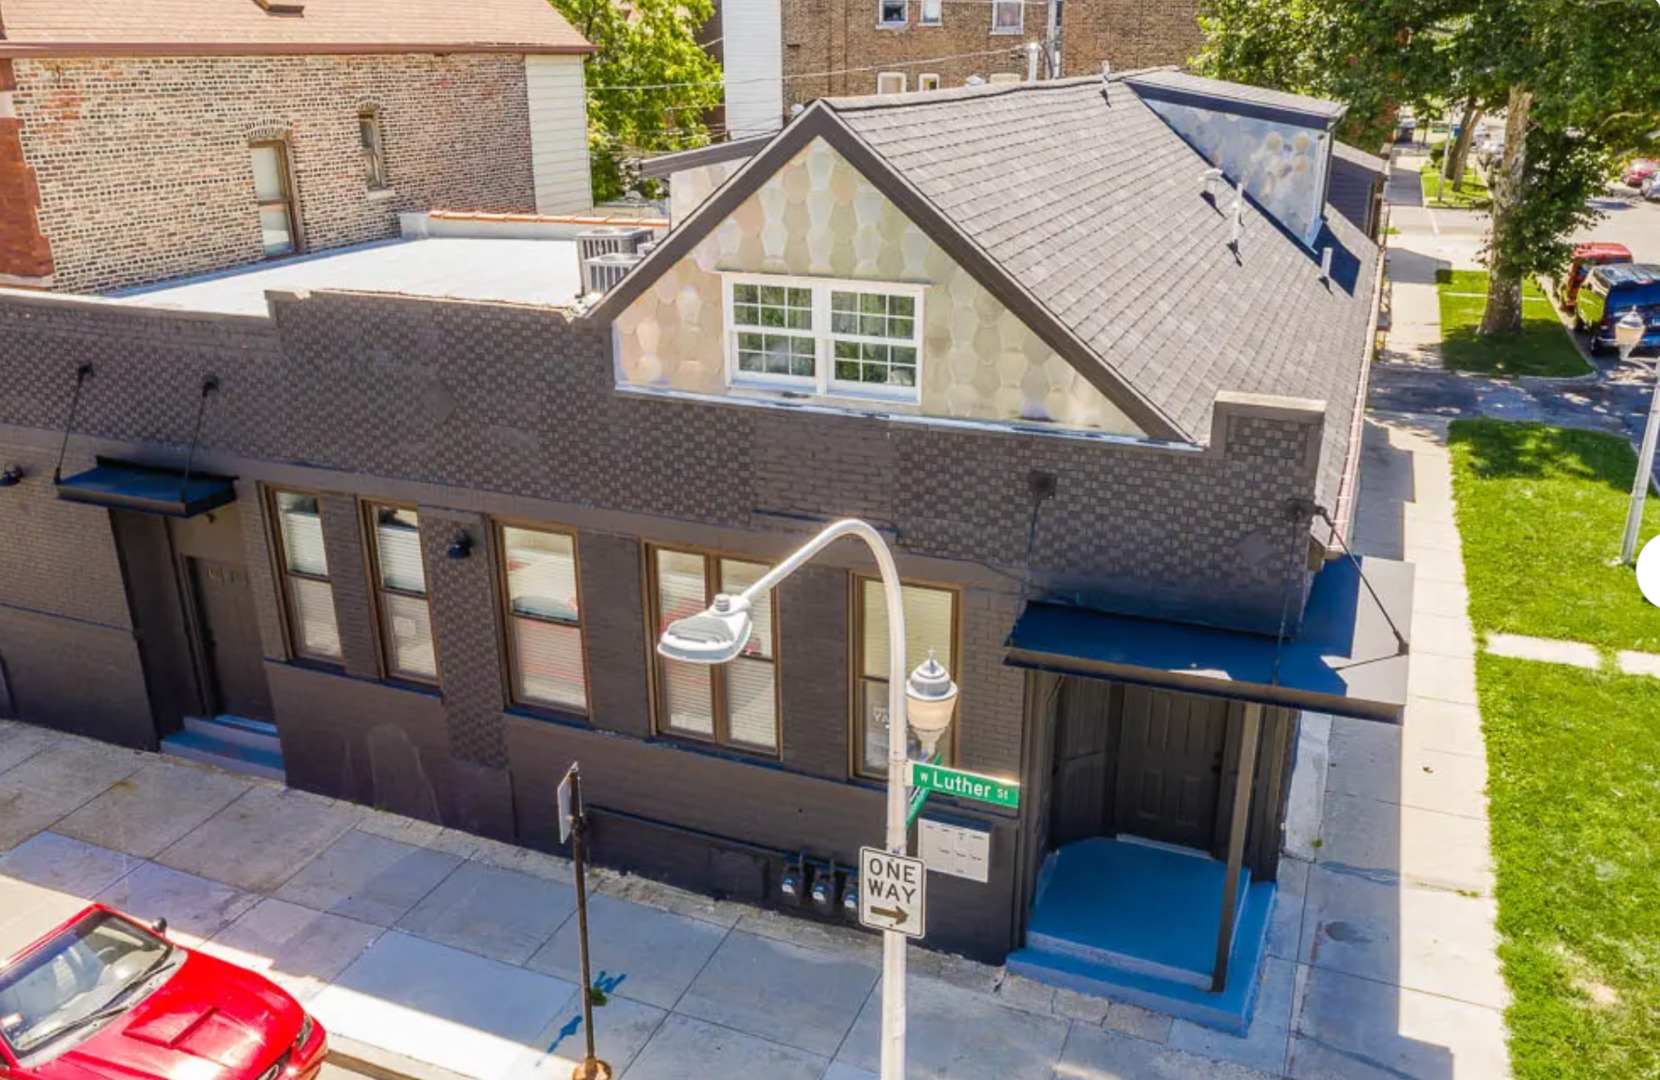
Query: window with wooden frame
[1008, 16]
[544, 623]
[372, 140]
[733, 704]
[824, 335]
[274, 195]
[930, 629]
[303, 562]
[890, 82]
[400, 582]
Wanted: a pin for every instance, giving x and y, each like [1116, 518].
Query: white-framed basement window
[824, 336]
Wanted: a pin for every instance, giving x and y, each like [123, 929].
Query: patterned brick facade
[144, 172]
[25, 256]
[843, 37]
[478, 411]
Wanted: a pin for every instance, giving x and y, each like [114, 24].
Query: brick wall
[144, 170]
[25, 256]
[472, 411]
[843, 34]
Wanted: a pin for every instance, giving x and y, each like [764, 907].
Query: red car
[1585, 257]
[104, 997]
[1638, 171]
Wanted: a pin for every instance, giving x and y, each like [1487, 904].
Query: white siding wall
[754, 59]
[558, 133]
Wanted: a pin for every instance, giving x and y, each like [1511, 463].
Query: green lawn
[1574, 782]
[1540, 511]
[1542, 348]
[1475, 195]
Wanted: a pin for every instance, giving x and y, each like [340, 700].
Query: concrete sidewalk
[460, 953]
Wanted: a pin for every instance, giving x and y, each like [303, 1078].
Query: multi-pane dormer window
[828, 337]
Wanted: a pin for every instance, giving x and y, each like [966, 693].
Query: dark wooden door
[1170, 766]
[1082, 771]
[228, 629]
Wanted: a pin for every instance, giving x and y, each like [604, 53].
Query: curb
[382, 1064]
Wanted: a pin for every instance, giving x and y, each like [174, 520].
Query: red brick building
[783, 52]
[142, 140]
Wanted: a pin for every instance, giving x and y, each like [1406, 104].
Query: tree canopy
[1578, 81]
[650, 85]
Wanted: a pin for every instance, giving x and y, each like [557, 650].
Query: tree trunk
[1503, 317]
[1461, 148]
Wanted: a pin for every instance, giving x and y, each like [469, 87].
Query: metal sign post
[575, 821]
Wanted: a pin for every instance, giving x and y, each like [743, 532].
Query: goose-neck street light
[1628, 334]
[924, 703]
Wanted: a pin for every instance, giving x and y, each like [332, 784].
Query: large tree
[651, 85]
[1578, 81]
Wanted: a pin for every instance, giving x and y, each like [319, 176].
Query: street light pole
[1628, 334]
[717, 635]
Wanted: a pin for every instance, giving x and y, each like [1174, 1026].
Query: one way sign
[891, 891]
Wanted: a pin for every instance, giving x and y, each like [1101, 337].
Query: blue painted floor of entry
[1138, 922]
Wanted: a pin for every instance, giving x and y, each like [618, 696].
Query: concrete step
[256, 734]
[1181, 997]
[227, 754]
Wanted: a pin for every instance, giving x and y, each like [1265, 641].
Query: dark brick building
[433, 540]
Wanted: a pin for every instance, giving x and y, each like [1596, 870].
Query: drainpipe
[1031, 61]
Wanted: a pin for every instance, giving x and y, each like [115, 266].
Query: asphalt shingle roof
[531, 24]
[1354, 177]
[1096, 206]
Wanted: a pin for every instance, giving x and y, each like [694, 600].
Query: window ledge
[382, 194]
[855, 402]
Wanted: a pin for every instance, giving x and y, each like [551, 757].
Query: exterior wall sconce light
[461, 547]
[11, 476]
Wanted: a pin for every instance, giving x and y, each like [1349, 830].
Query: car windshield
[85, 970]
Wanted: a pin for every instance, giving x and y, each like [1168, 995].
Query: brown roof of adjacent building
[171, 27]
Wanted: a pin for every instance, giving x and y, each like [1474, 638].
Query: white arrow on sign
[892, 892]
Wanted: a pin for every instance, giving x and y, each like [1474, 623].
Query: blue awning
[151, 491]
[1345, 659]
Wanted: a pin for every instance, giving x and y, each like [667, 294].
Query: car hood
[209, 1020]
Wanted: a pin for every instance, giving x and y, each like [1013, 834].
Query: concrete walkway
[431, 952]
[1574, 653]
[1399, 973]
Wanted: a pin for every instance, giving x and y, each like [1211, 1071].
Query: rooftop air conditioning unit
[602, 273]
[593, 244]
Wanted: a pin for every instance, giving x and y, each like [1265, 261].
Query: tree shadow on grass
[1508, 450]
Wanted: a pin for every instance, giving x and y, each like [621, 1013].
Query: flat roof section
[540, 272]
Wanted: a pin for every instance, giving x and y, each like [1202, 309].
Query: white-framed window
[890, 82]
[928, 81]
[892, 12]
[933, 12]
[825, 336]
[1008, 16]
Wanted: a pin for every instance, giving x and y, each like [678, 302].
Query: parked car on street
[1584, 258]
[1638, 172]
[1609, 292]
[106, 997]
[1651, 188]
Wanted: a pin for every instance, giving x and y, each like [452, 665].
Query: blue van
[1609, 292]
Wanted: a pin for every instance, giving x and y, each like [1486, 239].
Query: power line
[1006, 50]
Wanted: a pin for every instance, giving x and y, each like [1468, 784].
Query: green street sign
[965, 785]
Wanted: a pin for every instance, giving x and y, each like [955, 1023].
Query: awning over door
[1345, 659]
[151, 491]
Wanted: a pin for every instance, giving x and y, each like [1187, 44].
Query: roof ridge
[860, 102]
